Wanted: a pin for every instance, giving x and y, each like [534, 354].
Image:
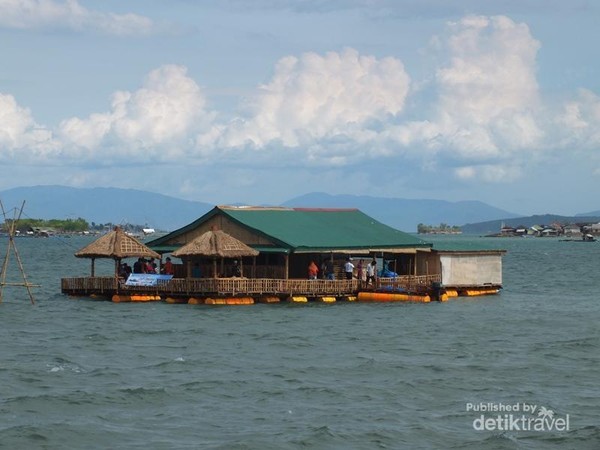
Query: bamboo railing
[409, 283]
[244, 286]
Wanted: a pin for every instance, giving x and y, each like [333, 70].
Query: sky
[257, 102]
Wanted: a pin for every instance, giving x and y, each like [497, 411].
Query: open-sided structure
[288, 239]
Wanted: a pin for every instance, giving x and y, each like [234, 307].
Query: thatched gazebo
[215, 244]
[116, 244]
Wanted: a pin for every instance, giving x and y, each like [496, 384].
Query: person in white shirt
[371, 270]
[349, 269]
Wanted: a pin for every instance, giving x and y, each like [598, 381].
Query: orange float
[230, 301]
[389, 297]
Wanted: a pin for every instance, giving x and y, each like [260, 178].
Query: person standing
[313, 271]
[371, 271]
[139, 266]
[359, 271]
[236, 270]
[349, 269]
[168, 267]
[329, 273]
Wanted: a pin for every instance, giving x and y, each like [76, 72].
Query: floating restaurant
[245, 254]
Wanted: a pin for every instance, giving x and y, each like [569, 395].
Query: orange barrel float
[326, 299]
[119, 298]
[476, 292]
[269, 299]
[298, 299]
[451, 293]
[145, 298]
[391, 297]
[230, 301]
[176, 300]
[196, 301]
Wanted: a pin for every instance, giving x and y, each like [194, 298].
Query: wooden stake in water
[12, 228]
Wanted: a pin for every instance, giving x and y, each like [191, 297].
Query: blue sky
[260, 101]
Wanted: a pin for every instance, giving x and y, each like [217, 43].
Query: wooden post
[287, 266]
[117, 263]
[11, 245]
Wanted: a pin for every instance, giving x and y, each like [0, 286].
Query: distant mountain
[405, 214]
[589, 214]
[114, 205]
[493, 226]
[104, 205]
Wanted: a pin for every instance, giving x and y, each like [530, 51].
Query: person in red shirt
[168, 267]
[313, 271]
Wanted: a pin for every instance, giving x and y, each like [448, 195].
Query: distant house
[42, 232]
[572, 230]
[549, 232]
[595, 229]
[507, 231]
[521, 230]
[535, 230]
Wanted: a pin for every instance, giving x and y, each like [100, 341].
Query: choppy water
[84, 374]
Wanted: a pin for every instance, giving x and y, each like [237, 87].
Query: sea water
[466, 374]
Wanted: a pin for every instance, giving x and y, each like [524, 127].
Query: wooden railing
[410, 283]
[89, 284]
[242, 286]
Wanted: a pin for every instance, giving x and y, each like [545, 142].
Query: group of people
[326, 270]
[367, 274]
[143, 265]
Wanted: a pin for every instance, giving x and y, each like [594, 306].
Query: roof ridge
[326, 209]
[252, 207]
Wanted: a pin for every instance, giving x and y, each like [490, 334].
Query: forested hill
[104, 205]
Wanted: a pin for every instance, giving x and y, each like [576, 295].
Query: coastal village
[247, 254]
[575, 231]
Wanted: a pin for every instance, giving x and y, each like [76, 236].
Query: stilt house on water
[244, 254]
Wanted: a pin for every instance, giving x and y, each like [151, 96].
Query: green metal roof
[303, 229]
[307, 229]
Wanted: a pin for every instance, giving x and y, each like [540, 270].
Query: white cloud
[69, 14]
[488, 106]
[317, 97]
[492, 70]
[489, 173]
[157, 120]
[581, 119]
[20, 136]
[491, 78]
[337, 105]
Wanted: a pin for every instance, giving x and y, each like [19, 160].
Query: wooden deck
[204, 287]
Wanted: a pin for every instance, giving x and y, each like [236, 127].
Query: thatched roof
[116, 244]
[216, 243]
